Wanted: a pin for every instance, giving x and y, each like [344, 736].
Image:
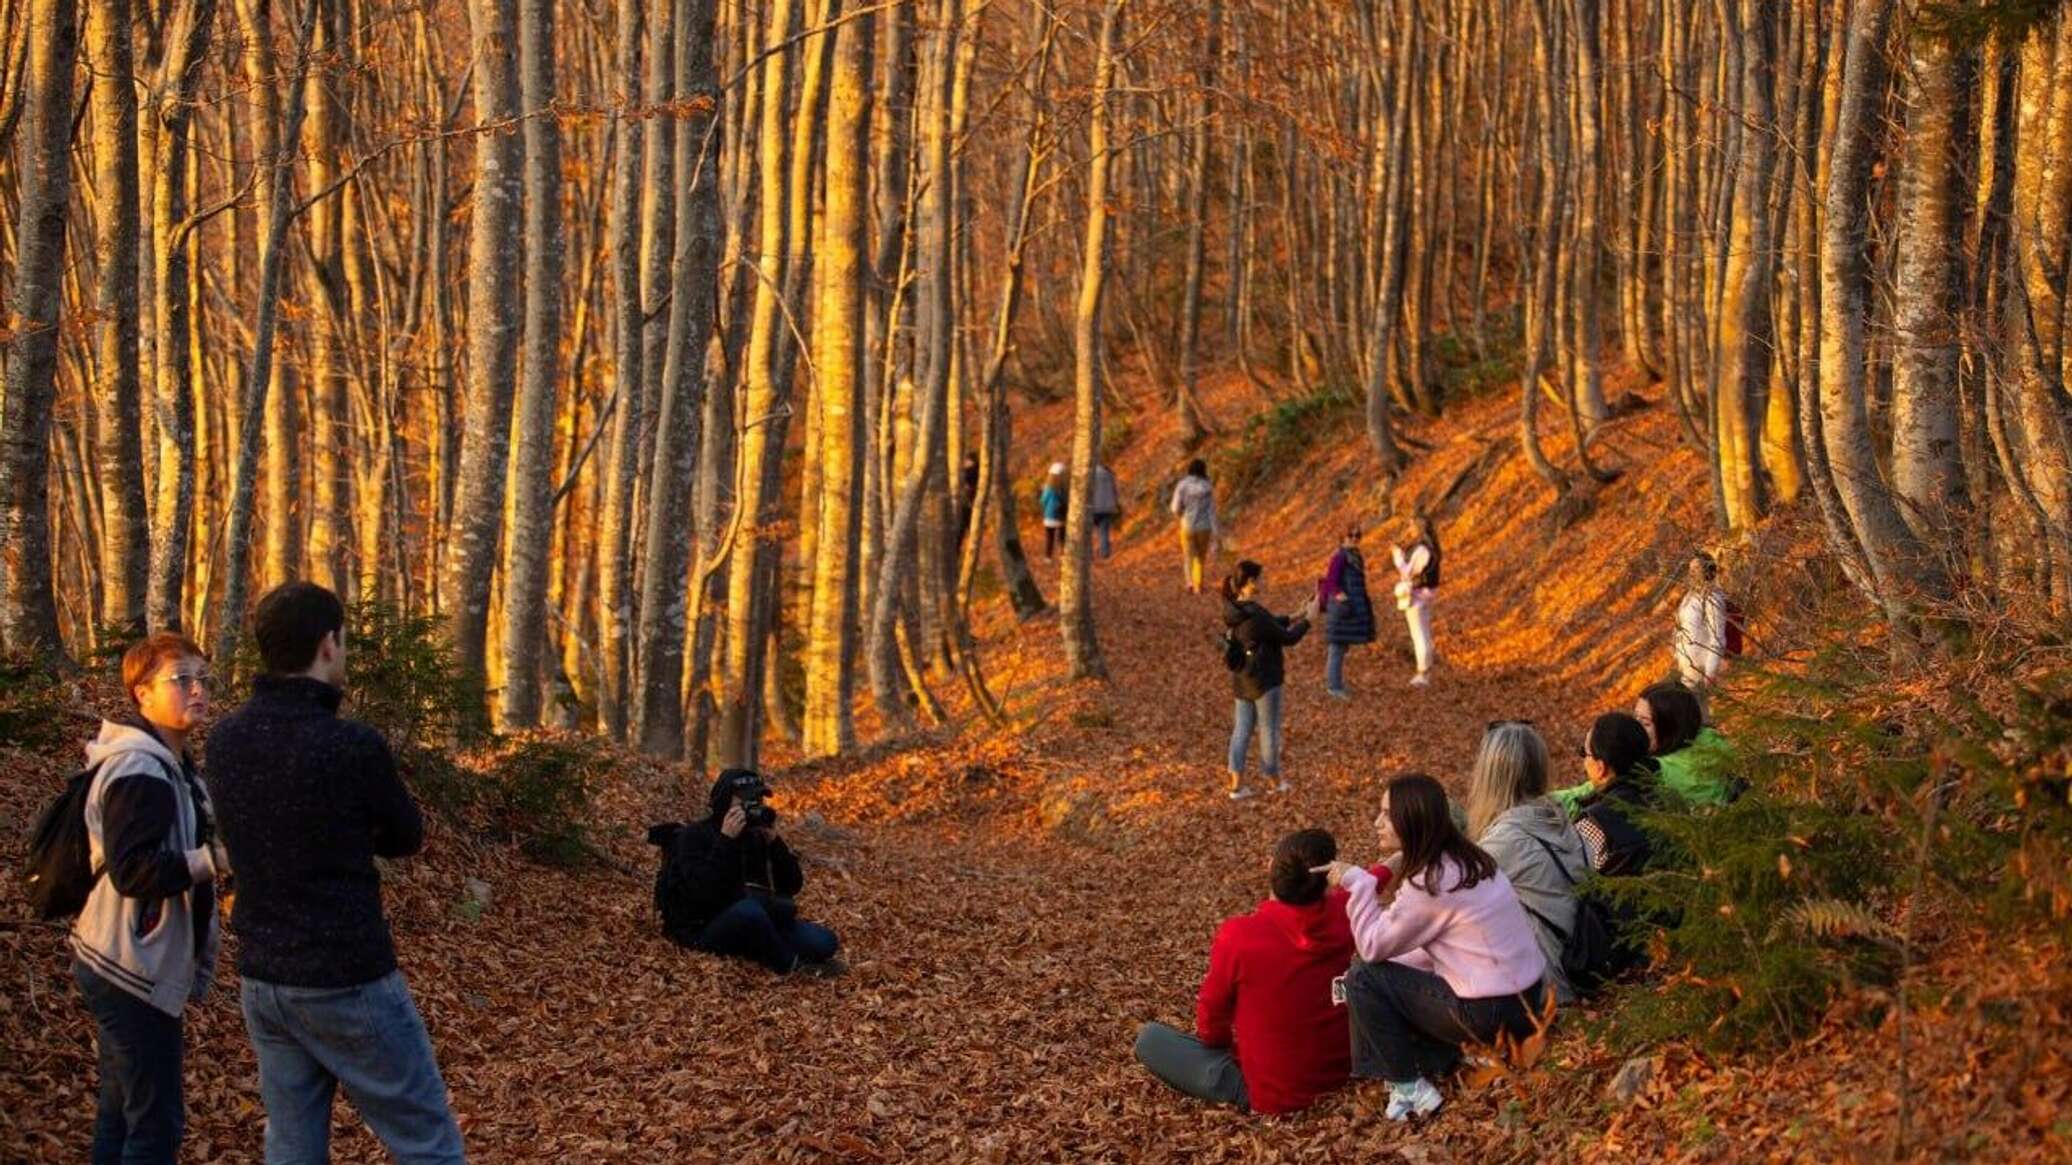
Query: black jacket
[704, 871]
[1263, 635]
[306, 800]
[1616, 844]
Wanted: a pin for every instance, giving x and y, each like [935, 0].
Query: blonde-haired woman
[1511, 817]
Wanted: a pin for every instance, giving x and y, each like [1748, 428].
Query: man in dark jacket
[727, 884]
[306, 800]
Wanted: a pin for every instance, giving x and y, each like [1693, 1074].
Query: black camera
[749, 791]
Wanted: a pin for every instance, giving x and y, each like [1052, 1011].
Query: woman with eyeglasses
[1622, 779]
[1528, 836]
[1450, 959]
[144, 944]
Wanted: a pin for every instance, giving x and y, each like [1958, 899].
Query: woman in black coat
[1348, 612]
[1253, 644]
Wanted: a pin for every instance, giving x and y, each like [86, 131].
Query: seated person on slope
[727, 884]
[1268, 1036]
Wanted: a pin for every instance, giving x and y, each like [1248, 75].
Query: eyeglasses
[196, 682]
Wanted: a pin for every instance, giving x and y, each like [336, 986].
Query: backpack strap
[1546, 922]
[1556, 857]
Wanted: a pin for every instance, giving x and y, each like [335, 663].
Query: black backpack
[1235, 653]
[59, 873]
[1590, 952]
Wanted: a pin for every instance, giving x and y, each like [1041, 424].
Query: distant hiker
[1194, 504]
[308, 800]
[1528, 836]
[1692, 763]
[1268, 1036]
[1417, 584]
[967, 496]
[1253, 644]
[729, 884]
[1052, 502]
[1478, 972]
[144, 943]
[1106, 508]
[1708, 628]
[1348, 612]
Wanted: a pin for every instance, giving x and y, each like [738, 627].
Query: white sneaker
[1284, 786]
[1243, 793]
[1338, 693]
[1415, 1100]
[1420, 680]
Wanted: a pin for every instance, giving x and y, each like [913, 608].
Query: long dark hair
[1247, 571]
[1678, 718]
[1417, 812]
[1429, 535]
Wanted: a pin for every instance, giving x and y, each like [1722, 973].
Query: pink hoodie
[1479, 940]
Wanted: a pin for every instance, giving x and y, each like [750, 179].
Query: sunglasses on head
[1493, 725]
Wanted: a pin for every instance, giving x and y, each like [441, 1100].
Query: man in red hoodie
[1268, 1036]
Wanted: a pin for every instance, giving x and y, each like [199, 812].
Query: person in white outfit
[1701, 625]
[1194, 504]
[1417, 584]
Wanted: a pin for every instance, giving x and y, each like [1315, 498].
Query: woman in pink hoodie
[1448, 958]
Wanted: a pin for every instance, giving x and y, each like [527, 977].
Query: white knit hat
[1057, 467]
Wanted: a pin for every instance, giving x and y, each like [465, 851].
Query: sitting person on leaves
[727, 884]
[1269, 1035]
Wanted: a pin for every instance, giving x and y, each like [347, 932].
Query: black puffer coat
[1349, 620]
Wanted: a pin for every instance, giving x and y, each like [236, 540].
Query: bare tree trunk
[1929, 292]
[1845, 311]
[693, 307]
[173, 312]
[1749, 271]
[843, 371]
[28, 604]
[1198, 142]
[615, 519]
[279, 213]
[1075, 586]
[532, 508]
[125, 551]
[493, 333]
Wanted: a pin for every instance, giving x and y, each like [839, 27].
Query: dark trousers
[141, 1116]
[1182, 1061]
[1408, 1023]
[767, 931]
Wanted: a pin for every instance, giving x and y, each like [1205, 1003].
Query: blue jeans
[767, 931]
[369, 1038]
[1104, 526]
[1334, 666]
[141, 1116]
[1265, 712]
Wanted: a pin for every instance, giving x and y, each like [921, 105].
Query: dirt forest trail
[1013, 905]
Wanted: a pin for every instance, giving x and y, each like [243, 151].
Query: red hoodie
[1268, 997]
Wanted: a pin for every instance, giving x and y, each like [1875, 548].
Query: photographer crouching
[727, 884]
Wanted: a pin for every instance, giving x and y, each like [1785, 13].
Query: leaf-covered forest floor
[1013, 903]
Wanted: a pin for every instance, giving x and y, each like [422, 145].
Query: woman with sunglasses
[1622, 779]
[1528, 836]
[1450, 958]
[144, 944]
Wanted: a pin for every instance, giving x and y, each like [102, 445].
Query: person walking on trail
[1417, 584]
[1704, 625]
[1269, 1037]
[1348, 612]
[144, 944]
[1194, 504]
[1253, 646]
[1052, 503]
[1107, 508]
[307, 800]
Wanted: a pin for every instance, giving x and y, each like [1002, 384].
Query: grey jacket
[1549, 899]
[145, 946]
